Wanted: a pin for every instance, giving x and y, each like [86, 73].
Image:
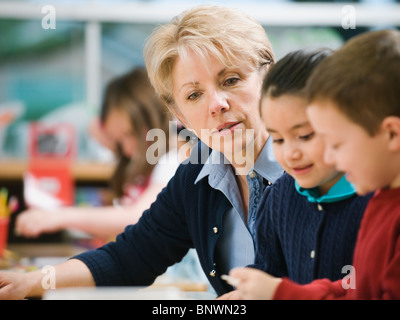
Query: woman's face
[297, 148]
[119, 129]
[219, 103]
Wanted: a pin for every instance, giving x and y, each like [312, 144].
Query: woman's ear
[391, 125]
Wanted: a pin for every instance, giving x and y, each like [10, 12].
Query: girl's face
[118, 128]
[296, 147]
[219, 103]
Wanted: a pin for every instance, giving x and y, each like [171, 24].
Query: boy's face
[298, 150]
[350, 148]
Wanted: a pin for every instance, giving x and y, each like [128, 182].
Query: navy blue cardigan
[185, 215]
[303, 240]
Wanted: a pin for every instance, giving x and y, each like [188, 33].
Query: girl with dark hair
[308, 221]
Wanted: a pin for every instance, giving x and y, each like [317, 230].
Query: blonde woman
[208, 65]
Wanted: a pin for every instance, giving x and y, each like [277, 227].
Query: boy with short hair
[355, 106]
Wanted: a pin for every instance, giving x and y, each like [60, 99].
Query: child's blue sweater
[304, 240]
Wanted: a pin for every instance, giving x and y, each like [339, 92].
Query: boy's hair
[362, 79]
[225, 33]
[290, 74]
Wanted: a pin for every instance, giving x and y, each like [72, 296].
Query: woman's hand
[15, 285]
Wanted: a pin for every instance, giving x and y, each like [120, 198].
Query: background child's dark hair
[133, 93]
[362, 79]
[290, 74]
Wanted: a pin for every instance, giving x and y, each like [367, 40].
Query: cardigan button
[212, 273]
[320, 208]
[252, 174]
[215, 230]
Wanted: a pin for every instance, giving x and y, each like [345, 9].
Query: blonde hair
[225, 33]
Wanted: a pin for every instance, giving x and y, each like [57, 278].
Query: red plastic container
[3, 234]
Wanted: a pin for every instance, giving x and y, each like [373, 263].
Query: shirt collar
[340, 190]
[266, 165]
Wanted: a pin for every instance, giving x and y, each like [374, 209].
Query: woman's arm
[72, 273]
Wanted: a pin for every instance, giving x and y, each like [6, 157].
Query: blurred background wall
[58, 72]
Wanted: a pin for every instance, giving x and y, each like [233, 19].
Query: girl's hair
[225, 33]
[133, 94]
[362, 79]
[291, 73]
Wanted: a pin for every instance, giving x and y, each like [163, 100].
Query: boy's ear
[391, 125]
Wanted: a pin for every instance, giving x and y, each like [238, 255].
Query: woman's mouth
[225, 128]
[302, 170]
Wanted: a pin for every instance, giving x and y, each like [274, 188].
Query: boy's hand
[255, 284]
[232, 295]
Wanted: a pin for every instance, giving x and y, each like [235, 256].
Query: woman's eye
[307, 136]
[193, 96]
[231, 81]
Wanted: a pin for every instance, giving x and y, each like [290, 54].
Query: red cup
[3, 234]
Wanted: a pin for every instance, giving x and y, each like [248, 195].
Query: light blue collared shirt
[236, 246]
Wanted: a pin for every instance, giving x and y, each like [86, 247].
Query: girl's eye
[231, 81]
[278, 141]
[308, 136]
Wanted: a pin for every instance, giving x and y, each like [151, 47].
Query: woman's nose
[218, 103]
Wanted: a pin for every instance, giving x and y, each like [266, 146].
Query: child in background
[354, 105]
[130, 109]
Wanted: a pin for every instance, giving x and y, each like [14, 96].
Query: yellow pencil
[3, 202]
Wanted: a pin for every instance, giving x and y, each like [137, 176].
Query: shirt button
[212, 273]
[269, 182]
[312, 254]
[320, 208]
[215, 230]
[252, 174]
